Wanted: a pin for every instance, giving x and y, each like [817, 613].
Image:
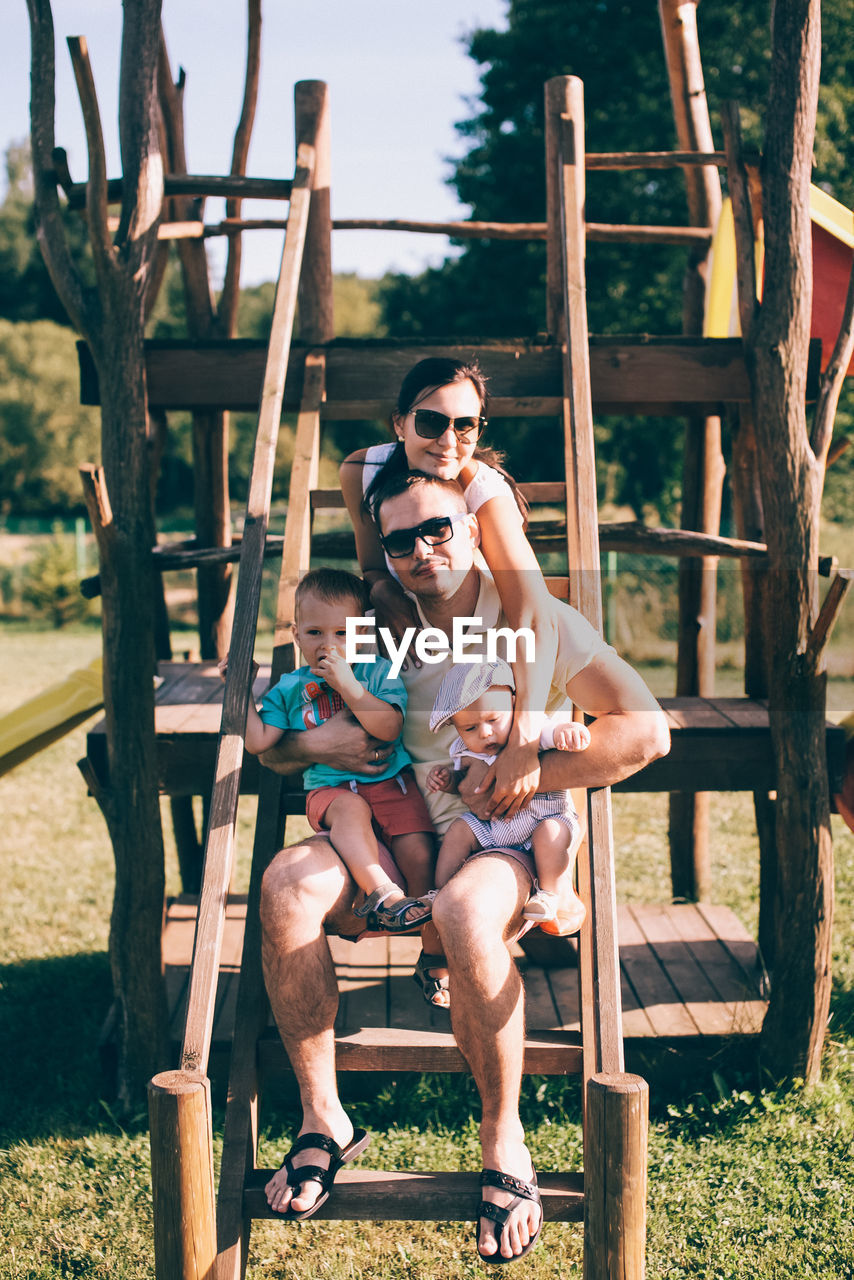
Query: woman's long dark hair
[424, 377]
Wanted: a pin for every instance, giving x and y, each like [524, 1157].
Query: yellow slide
[49, 715]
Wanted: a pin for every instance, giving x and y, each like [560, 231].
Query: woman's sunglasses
[429, 424]
[401, 542]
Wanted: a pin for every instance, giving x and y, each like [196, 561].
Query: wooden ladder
[610, 1194]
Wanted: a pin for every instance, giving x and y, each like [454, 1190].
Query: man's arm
[629, 729]
[339, 742]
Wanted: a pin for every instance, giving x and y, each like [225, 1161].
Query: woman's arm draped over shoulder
[526, 602]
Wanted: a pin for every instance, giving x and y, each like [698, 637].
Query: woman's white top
[487, 482]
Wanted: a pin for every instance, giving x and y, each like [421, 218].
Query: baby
[350, 808]
[478, 699]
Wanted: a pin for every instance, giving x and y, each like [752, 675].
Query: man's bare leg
[304, 887]
[476, 914]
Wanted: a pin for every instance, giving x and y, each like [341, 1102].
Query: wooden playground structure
[719, 743]
[675, 971]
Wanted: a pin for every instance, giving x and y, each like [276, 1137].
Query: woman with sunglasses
[439, 417]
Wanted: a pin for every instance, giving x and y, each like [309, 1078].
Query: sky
[398, 79]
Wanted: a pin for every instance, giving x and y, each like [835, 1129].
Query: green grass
[742, 1183]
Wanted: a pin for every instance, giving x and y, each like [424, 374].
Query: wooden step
[421, 1197]
[547, 1053]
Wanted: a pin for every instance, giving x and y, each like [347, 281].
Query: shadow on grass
[51, 1014]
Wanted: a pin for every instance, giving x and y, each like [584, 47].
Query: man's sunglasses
[401, 542]
[429, 424]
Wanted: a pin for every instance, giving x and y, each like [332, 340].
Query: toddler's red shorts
[396, 804]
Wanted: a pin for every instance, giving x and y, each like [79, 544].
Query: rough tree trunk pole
[209, 319]
[792, 472]
[703, 466]
[111, 319]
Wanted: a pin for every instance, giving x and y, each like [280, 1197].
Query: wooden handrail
[600, 232]
[219, 842]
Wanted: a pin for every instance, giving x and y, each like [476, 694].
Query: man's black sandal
[338, 1156]
[430, 986]
[393, 919]
[499, 1214]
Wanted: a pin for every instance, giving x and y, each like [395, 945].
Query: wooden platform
[688, 973]
[718, 744]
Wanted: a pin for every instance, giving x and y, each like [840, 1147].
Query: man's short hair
[332, 585]
[403, 481]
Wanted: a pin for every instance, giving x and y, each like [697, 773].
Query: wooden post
[615, 1146]
[749, 522]
[749, 513]
[311, 122]
[599, 970]
[182, 1180]
[703, 467]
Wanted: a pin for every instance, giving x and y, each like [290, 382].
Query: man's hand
[339, 742]
[477, 802]
[513, 779]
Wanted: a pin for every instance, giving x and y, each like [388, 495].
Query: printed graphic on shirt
[322, 703]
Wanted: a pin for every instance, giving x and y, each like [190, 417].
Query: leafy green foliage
[26, 290]
[355, 303]
[498, 289]
[357, 314]
[45, 433]
[51, 584]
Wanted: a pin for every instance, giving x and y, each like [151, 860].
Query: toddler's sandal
[394, 919]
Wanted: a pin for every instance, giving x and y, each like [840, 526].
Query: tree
[207, 317]
[111, 317]
[497, 289]
[791, 460]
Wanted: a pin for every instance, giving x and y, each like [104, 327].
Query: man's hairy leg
[304, 887]
[476, 913]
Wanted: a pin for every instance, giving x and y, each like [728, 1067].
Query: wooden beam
[628, 374]
[311, 120]
[545, 536]
[655, 159]
[198, 185]
[602, 232]
[280, 188]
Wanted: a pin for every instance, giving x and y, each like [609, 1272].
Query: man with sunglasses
[432, 538]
